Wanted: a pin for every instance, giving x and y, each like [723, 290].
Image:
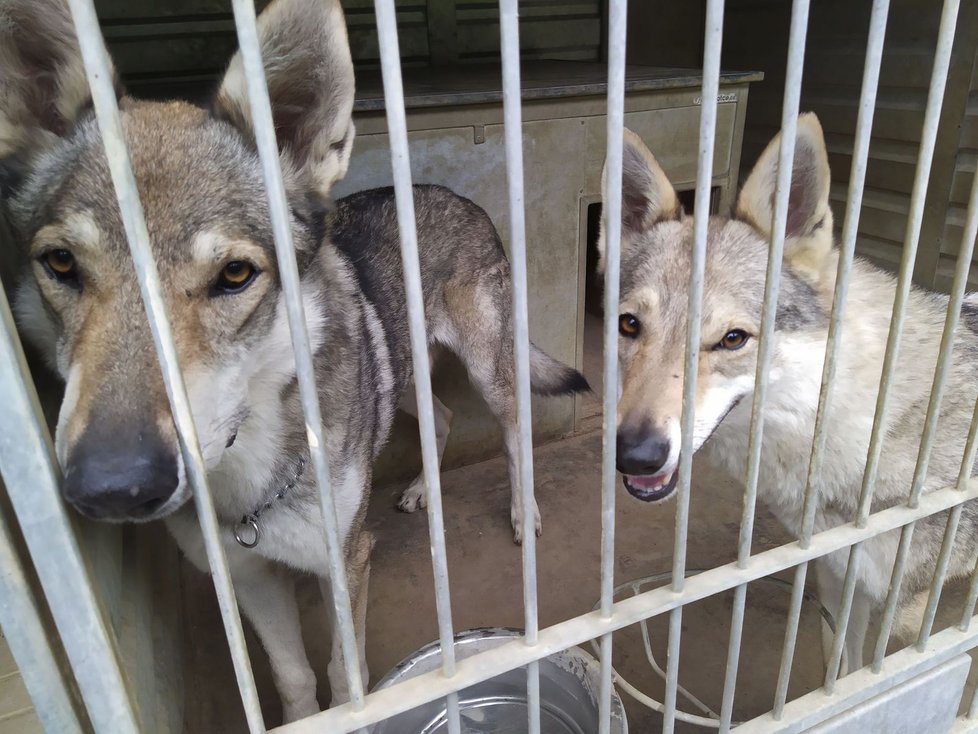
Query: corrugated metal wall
[960, 188]
[167, 47]
[548, 29]
[755, 37]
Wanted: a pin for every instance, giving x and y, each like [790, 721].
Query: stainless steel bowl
[569, 683]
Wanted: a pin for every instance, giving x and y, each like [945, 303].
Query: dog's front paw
[413, 497]
[516, 518]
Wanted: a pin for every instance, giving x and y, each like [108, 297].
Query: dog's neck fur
[793, 401]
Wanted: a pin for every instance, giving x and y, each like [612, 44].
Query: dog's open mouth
[651, 488]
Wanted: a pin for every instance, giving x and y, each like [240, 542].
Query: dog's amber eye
[60, 265]
[733, 339]
[628, 325]
[235, 277]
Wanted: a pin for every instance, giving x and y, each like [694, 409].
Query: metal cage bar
[404, 196]
[786, 155]
[958, 287]
[713, 40]
[95, 60]
[928, 138]
[513, 131]
[264, 125]
[20, 618]
[857, 179]
[935, 98]
[115, 712]
[617, 26]
[32, 479]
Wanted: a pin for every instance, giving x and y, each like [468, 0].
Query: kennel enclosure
[112, 701]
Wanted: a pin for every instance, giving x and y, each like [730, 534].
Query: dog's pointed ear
[43, 88]
[808, 232]
[309, 72]
[647, 196]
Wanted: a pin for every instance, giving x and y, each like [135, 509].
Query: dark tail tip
[569, 383]
[577, 383]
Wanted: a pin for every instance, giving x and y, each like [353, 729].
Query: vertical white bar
[397, 128]
[32, 479]
[617, 25]
[790, 639]
[786, 155]
[110, 124]
[701, 218]
[712, 43]
[842, 623]
[20, 620]
[964, 473]
[512, 111]
[928, 138]
[261, 113]
[850, 228]
[958, 287]
[940, 573]
[893, 596]
[973, 706]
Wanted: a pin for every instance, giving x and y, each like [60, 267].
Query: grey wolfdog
[656, 243]
[201, 186]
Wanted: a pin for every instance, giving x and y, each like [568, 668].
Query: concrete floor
[486, 583]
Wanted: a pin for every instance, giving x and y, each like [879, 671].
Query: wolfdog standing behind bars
[201, 186]
[656, 245]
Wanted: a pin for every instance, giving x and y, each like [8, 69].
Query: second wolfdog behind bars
[656, 246]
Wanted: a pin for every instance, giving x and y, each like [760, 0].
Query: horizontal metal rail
[818, 706]
[430, 686]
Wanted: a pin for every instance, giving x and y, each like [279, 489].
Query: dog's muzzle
[120, 477]
[651, 488]
[642, 454]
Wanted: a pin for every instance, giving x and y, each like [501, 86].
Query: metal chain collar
[249, 522]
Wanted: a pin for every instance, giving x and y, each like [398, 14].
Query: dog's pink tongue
[647, 482]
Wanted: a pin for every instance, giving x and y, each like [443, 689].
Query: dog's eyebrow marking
[77, 230]
[211, 246]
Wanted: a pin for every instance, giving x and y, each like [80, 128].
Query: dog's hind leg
[482, 337]
[497, 383]
[415, 496]
[358, 575]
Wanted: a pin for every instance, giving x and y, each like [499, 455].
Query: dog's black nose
[126, 477]
[641, 451]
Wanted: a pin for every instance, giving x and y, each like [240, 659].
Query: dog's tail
[550, 377]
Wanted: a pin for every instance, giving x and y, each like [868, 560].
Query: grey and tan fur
[201, 186]
[656, 244]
